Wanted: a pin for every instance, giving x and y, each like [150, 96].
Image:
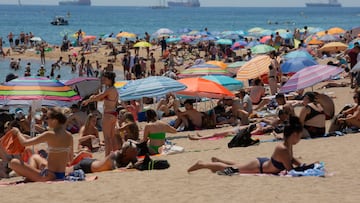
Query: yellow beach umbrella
[321, 33]
[221, 64]
[75, 35]
[254, 68]
[315, 41]
[120, 84]
[126, 35]
[334, 46]
[111, 40]
[336, 30]
[142, 44]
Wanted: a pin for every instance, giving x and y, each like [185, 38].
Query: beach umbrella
[126, 35]
[329, 38]
[262, 49]
[163, 31]
[194, 32]
[254, 68]
[88, 38]
[334, 46]
[36, 39]
[233, 68]
[252, 43]
[209, 38]
[266, 32]
[218, 63]
[149, 87]
[255, 30]
[298, 54]
[111, 40]
[238, 45]
[22, 91]
[173, 40]
[315, 42]
[296, 64]
[224, 41]
[143, 44]
[240, 32]
[202, 70]
[226, 81]
[310, 76]
[120, 84]
[200, 87]
[84, 86]
[335, 30]
[351, 44]
[265, 39]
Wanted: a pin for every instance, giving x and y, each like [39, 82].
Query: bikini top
[277, 164]
[312, 113]
[59, 149]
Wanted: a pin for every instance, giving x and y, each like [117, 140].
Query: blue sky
[245, 3]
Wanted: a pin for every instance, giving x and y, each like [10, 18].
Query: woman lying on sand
[281, 159]
[116, 159]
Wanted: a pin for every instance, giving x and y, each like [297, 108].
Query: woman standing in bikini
[281, 159]
[155, 132]
[60, 151]
[110, 97]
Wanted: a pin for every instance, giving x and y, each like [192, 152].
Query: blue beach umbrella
[262, 49]
[224, 41]
[252, 44]
[184, 30]
[149, 87]
[209, 38]
[228, 82]
[173, 40]
[298, 54]
[296, 64]
[351, 44]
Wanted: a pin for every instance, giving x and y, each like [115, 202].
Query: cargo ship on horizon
[330, 3]
[75, 3]
[187, 3]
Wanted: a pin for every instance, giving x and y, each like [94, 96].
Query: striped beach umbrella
[149, 87]
[228, 82]
[218, 63]
[202, 70]
[310, 76]
[36, 88]
[254, 68]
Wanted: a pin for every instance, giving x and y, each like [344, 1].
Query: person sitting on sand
[117, 159]
[190, 119]
[257, 92]
[281, 159]
[89, 135]
[165, 105]
[312, 116]
[155, 132]
[128, 129]
[60, 151]
[348, 117]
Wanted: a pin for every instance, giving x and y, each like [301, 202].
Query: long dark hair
[294, 126]
[111, 76]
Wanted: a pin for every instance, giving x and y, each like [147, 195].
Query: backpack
[149, 164]
[243, 138]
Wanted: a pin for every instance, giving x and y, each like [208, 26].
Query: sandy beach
[175, 184]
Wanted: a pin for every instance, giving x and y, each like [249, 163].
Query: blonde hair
[89, 117]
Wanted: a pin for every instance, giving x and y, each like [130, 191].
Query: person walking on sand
[110, 97]
[42, 54]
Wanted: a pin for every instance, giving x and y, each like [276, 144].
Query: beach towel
[11, 143]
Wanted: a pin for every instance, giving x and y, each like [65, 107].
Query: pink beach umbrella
[310, 76]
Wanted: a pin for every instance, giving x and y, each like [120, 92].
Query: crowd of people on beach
[123, 140]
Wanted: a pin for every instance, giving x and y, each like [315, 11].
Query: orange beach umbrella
[200, 87]
[221, 64]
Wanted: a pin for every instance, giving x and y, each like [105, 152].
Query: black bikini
[275, 163]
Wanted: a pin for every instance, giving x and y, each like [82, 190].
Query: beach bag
[243, 138]
[149, 164]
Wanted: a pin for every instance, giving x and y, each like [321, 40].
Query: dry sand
[176, 185]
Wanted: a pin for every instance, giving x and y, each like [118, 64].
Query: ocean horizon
[98, 20]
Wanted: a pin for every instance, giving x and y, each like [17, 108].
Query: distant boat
[59, 20]
[330, 3]
[75, 3]
[19, 2]
[162, 4]
[188, 3]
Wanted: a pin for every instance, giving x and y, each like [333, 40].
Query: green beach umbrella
[224, 41]
[262, 49]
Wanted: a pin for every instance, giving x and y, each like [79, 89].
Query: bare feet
[198, 165]
[194, 137]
